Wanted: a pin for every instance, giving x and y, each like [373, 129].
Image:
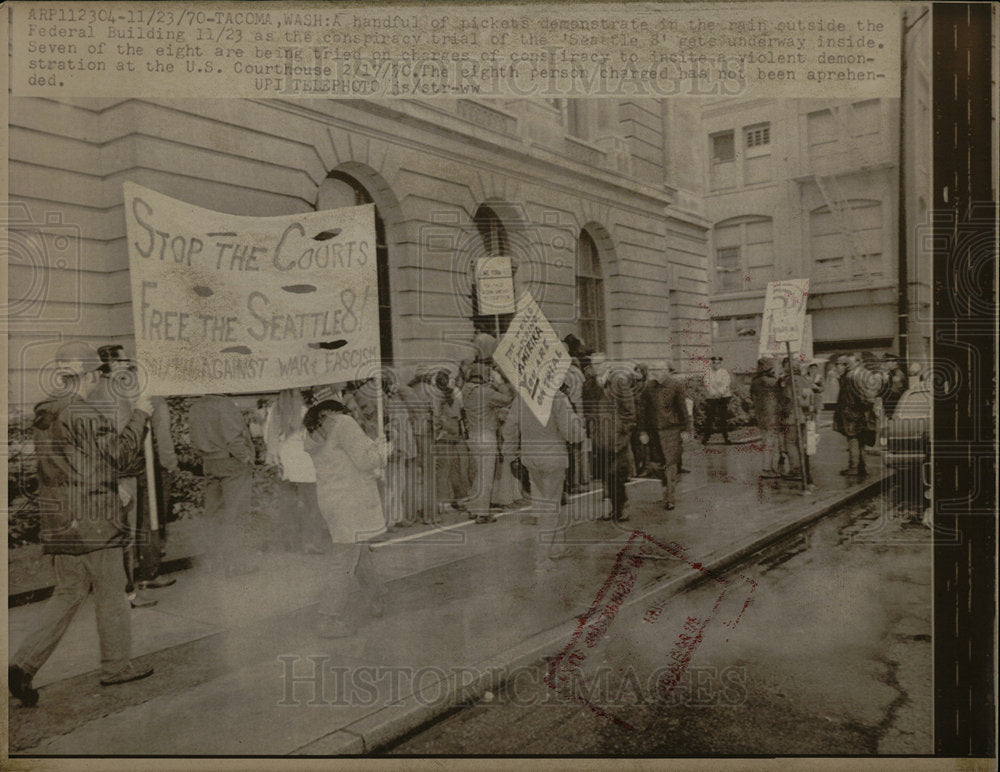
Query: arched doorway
[340, 189]
[495, 243]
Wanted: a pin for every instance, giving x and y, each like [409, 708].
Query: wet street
[832, 656]
[818, 645]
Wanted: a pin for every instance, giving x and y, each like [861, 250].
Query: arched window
[341, 190]
[492, 232]
[589, 294]
[495, 244]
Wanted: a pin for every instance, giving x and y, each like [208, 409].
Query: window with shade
[847, 246]
[589, 294]
[341, 190]
[744, 254]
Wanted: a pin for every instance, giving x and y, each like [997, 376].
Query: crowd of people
[787, 399]
[355, 464]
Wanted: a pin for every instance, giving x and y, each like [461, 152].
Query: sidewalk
[240, 672]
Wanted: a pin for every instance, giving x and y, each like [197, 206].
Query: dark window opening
[589, 294]
[361, 197]
[723, 147]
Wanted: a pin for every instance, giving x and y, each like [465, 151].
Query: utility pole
[902, 242]
[902, 238]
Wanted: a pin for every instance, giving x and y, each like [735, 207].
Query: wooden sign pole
[795, 408]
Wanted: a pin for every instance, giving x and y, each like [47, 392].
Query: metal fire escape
[853, 157]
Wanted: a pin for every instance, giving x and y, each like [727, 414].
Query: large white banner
[224, 303]
[784, 317]
[532, 357]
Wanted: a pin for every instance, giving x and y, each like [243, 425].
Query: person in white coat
[348, 465]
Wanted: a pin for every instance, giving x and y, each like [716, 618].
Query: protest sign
[532, 357]
[784, 317]
[495, 285]
[224, 303]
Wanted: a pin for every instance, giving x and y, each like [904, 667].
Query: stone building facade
[810, 188]
[594, 200]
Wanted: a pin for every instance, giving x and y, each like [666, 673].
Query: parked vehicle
[905, 437]
[906, 446]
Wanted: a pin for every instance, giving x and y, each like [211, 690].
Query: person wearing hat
[485, 345]
[718, 393]
[484, 399]
[83, 525]
[898, 383]
[664, 418]
[766, 405]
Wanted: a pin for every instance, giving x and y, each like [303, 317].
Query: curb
[38, 594]
[393, 722]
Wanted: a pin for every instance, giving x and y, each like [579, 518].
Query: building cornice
[441, 122]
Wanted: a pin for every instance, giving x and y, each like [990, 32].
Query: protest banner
[784, 317]
[495, 285]
[532, 357]
[232, 304]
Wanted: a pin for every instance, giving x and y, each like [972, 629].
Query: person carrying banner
[767, 410]
[221, 436]
[145, 550]
[802, 393]
[83, 525]
[664, 419]
[348, 465]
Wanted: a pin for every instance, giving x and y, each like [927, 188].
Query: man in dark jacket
[854, 416]
[221, 436]
[664, 417]
[767, 404]
[143, 554]
[613, 419]
[81, 451]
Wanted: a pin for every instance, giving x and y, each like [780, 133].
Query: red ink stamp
[600, 643]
